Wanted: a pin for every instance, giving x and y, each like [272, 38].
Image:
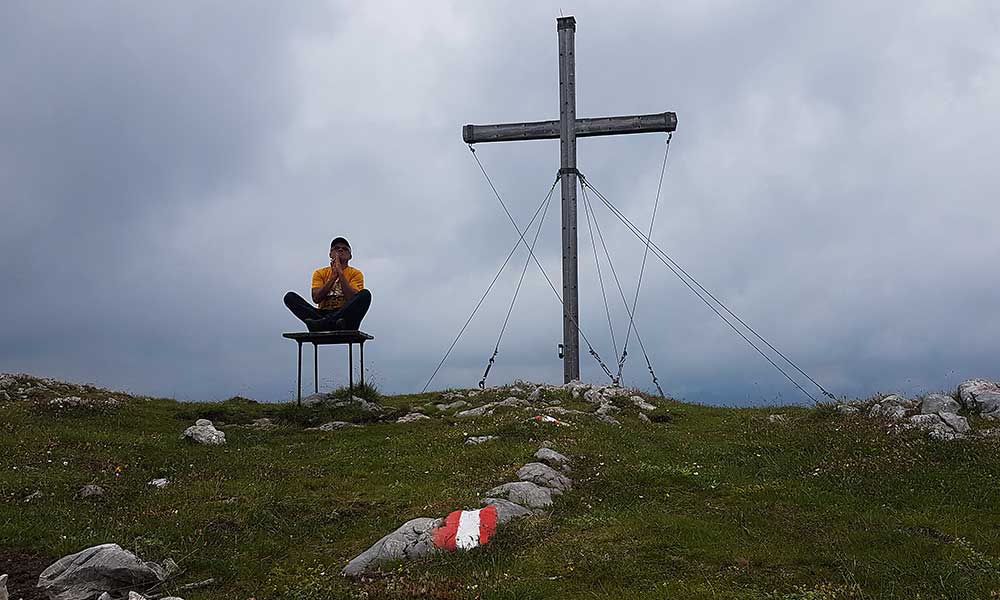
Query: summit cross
[567, 129]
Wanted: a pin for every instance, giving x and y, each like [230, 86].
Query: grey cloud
[831, 179]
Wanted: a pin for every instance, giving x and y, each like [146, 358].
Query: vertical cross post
[567, 129]
[567, 145]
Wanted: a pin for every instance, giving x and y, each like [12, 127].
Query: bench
[320, 338]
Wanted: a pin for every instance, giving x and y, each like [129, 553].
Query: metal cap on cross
[567, 129]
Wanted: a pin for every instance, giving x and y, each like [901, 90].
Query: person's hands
[338, 269]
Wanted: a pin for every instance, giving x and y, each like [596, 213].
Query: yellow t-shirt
[335, 299]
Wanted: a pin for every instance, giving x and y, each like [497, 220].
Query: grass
[703, 502]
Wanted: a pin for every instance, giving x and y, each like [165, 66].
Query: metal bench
[320, 338]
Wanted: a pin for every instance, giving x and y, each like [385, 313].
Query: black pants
[326, 320]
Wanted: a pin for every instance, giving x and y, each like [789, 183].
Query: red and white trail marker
[466, 529]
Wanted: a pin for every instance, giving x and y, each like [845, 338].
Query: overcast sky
[170, 169]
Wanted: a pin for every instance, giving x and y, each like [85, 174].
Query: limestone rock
[606, 408]
[942, 426]
[3, 585]
[982, 396]
[506, 510]
[846, 409]
[452, 406]
[410, 418]
[203, 432]
[524, 493]
[545, 476]
[479, 411]
[334, 426]
[593, 396]
[512, 402]
[552, 458]
[88, 573]
[536, 395]
[366, 405]
[775, 418]
[411, 540]
[642, 404]
[900, 400]
[958, 424]
[938, 403]
[887, 410]
[160, 483]
[314, 399]
[644, 418]
[923, 421]
[87, 491]
[608, 419]
[479, 439]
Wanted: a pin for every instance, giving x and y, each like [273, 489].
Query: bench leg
[299, 401]
[362, 346]
[350, 366]
[315, 368]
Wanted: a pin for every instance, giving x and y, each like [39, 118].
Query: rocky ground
[482, 472]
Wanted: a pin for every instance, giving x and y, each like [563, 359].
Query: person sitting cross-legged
[338, 290]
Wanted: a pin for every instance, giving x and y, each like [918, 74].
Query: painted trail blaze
[466, 529]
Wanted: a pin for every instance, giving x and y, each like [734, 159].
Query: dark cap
[341, 240]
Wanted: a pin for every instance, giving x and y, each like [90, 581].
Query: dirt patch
[24, 569]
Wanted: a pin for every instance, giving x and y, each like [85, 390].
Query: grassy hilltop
[703, 502]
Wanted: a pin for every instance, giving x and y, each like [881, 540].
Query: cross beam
[547, 130]
[567, 129]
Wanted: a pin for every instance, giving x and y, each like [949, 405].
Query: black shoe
[340, 324]
[314, 325]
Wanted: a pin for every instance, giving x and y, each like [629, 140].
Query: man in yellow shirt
[338, 290]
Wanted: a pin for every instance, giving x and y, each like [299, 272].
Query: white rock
[160, 483]
[545, 476]
[607, 408]
[479, 411]
[887, 410]
[203, 423]
[958, 424]
[204, 434]
[511, 401]
[531, 495]
[334, 426]
[479, 439]
[925, 421]
[410, 418]
[982, 396]
[87, 491]
[938, 403]
[642, 404]
[608, 419]
[552, 458]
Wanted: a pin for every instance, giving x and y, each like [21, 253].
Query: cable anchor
[482, 382]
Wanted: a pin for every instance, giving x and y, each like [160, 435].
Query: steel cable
[490, 287]
[674, 268]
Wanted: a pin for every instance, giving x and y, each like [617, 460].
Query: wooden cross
[567, 129]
